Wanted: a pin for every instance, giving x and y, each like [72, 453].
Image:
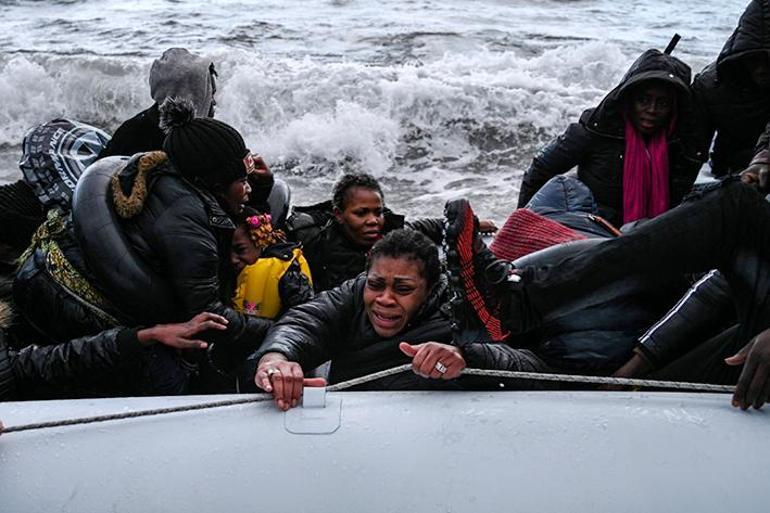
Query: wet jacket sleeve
[704, 127]
[7, 381]
[500, 356]
[188, 251]
[77, 359]
[559, 156]
[703, 311]
[431, 227]
[310, 334]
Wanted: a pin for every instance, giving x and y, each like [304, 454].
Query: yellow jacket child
[274, 275]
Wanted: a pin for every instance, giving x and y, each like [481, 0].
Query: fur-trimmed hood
[131, 185]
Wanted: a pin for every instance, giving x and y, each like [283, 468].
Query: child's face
[243, 251]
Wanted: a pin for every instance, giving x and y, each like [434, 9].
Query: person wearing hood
[732, 94]
[180, 74]
[389, 316]
[635, 150]
[159, 251]
[177, 73]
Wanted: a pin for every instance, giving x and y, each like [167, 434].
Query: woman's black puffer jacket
[334, 326]
[596, 143]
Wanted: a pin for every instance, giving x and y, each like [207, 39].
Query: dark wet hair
[350, 180]
[411, 245]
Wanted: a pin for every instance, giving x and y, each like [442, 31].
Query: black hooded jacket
[183, 234]
[333, 258]
[334, 326]
[137, 135]
[596, 143]
[728, 102]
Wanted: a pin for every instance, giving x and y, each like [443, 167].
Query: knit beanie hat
[182, 74]
[203, 150]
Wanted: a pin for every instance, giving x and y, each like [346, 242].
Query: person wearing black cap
[182, 223]
[157, 253]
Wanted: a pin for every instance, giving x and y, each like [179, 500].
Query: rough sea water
[437, 99]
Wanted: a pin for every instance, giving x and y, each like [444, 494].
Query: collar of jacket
[437, 300]
[218, 218]
[281, 250]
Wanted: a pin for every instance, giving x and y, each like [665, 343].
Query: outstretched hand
[180, 335]
[753, 388]
[431, 358]
[284, 379]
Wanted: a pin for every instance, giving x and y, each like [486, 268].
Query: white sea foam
[435, 99]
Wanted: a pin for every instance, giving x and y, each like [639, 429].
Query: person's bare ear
[338, 215]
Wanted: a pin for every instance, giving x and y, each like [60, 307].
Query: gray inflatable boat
[393, 451]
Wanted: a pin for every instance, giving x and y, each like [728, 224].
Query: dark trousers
[725, 227]
[706, 363]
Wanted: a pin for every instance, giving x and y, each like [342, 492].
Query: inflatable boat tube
[109, 255]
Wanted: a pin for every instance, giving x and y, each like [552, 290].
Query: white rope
[134, 414]
[536, 376]
[532, 376]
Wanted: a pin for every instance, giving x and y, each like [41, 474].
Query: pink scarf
[645, 174]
